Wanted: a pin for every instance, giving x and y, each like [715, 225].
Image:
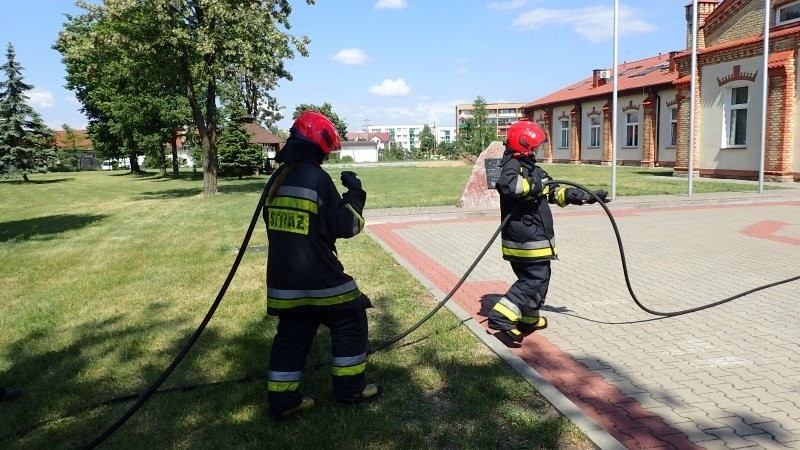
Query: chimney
[599, 77]
[704, 8]
[673, 66]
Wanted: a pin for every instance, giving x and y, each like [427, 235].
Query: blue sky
[392, 62]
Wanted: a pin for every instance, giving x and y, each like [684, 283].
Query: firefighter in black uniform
[527, 240]
[306, 283]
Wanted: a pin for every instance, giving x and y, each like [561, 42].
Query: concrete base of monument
[479, 191]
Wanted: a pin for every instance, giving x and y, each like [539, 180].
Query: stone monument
[479, 191]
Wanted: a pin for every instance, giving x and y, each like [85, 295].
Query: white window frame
[673, 127]
[563, 141]
[632, 129]
[779, 11]
[594, 132]
[731, 112]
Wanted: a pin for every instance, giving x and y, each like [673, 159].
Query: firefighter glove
[599, 193]
[350, 180]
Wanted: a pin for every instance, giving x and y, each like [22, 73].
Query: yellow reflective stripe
[561, 197]
[358, 216]
[291, 202]
[502, 309]
[279, 303]
[533, 253]
[531, 320]
[546, 189]
[282, 386]
[349, 370]
[526, 187]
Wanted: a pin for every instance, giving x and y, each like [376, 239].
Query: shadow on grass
[23, 182]
[70, 397]
[69, 374]
[135, 175]
[254, 186]
[45, 227]
[668, 173]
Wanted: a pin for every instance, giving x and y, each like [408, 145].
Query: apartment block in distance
[499, 115]
[408, 135]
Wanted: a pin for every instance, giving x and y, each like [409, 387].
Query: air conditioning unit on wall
[604, 74]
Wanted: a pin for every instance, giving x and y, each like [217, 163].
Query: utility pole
[435, 138]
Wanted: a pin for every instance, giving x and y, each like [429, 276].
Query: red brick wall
[575, 135]
[781, 106]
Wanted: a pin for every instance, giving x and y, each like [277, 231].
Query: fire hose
[153, 388]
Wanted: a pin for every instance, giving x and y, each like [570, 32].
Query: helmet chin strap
[524, 155]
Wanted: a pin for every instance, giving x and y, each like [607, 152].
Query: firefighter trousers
[519, 307]
[292, 342]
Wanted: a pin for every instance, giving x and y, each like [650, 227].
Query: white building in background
[408, 135]
[359, 151]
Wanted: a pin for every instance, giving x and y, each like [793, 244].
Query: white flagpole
[692, 90]
[615, 113]
[764, 95]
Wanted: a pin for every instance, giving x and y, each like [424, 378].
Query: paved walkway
[724, 377]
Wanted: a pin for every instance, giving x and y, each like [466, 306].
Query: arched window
[632, 129]
[594, 131]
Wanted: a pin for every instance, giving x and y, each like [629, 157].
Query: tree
[448, 149]
[71, 137]
[26, 144]
[133, 107]
[395, 151]
[427, 142]
[282, 134]
[220, 51]
[476, 133]
[327, 110]
[237, 155]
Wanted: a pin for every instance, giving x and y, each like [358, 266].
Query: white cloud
[391, 88]
[39, 98]
[391, 4]
[463, 71]
[508, 5]
[350, 56]
[595, 23]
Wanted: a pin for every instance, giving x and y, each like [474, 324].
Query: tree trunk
[210, 140]
[162, 162]
[175, 166]
[25, 177]
[210, 167]
[134, 160]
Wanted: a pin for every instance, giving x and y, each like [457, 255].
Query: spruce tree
[25, 142]
[237, 156]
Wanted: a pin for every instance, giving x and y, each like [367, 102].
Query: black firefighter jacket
[529, 235]
[303, 220]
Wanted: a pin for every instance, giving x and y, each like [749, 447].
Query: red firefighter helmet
[524, 137]
[313, 126]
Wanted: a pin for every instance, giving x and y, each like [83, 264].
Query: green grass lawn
[104, 275]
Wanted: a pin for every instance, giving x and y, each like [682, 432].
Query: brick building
[654, 100]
